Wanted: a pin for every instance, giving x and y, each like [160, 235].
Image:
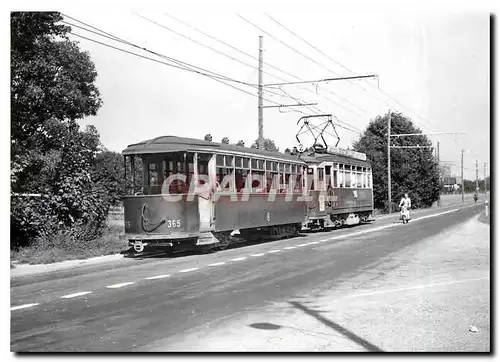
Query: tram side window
[296, 178]
[258, 175]
[240, 179]
[341, 176]
[347, 176]
[299, 184]
[153, 179]
[271, 176]
[189, 172]
[335, 178]
[368, 179]
[224, 183]
[321, 178]
[328, 176]
[283, 179]
[176, 165]
[203, 168]
[286, 182]
[268, 179]
[225, 176]
[241, 172]
[310, 179]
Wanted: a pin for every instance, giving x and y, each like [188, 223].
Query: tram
[196, 193]
[339, 183]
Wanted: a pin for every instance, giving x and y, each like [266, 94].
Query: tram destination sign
[347, 153]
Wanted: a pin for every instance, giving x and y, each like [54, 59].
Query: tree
[412, 170]
[241, 143]
[225, 140]
[268, 145]
[52, 86]
[109, 171]
[208, 137]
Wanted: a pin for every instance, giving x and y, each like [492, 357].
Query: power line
[321, 52]
[253, 57]
[158, 61]
[296, 99]
[199, 43]
[305, 56]
[312, 46]
[236, 49]
[316, 110]
[323, 80]
[211, 48]
[343, 66]
[186, 66]
[232, 47]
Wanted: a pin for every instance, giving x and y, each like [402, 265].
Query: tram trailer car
[340, 184]
[187, 219]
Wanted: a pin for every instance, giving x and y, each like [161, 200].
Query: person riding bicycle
[406, 204]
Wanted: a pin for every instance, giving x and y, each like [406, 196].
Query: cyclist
[406, 204]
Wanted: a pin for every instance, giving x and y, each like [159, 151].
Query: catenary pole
[261, 116]
[389, 160]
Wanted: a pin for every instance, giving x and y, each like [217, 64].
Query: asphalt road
[115, 307]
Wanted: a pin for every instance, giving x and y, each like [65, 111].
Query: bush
[75, 214]
[66, 245]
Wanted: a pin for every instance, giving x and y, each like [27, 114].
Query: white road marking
[74, 295]
[115, 286]
[290, 247]
[239, 259]
[434, 215]
[421, 286]
[217, 264]
[257, 254]
[301, 245]
[274, 251]
[388, 226]
[323, 240]
[23, 306]
[158, 277]
[314, 242]
[188, 270]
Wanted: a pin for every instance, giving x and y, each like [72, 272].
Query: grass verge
[483, 218]
[111, 242]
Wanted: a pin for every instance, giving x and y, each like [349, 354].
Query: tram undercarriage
[213, 241]
[337, 220]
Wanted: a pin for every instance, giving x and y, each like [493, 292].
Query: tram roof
[328, 157]
[170, 144]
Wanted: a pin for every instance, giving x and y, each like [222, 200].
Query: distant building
[452, 183]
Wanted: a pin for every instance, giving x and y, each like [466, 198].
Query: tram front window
[170, 173]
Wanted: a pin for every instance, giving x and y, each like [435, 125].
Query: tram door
[321, 187]
[205, 199]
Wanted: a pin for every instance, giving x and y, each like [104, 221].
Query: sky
[432, 67]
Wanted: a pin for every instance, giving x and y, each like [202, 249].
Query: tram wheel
[224, 240]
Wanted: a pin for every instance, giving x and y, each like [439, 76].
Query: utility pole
[398, 135]
[485, 189]
[485, 192]
[261, 117]
[462, 174]
[389, 160]
[477, 181]
[439, 168]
